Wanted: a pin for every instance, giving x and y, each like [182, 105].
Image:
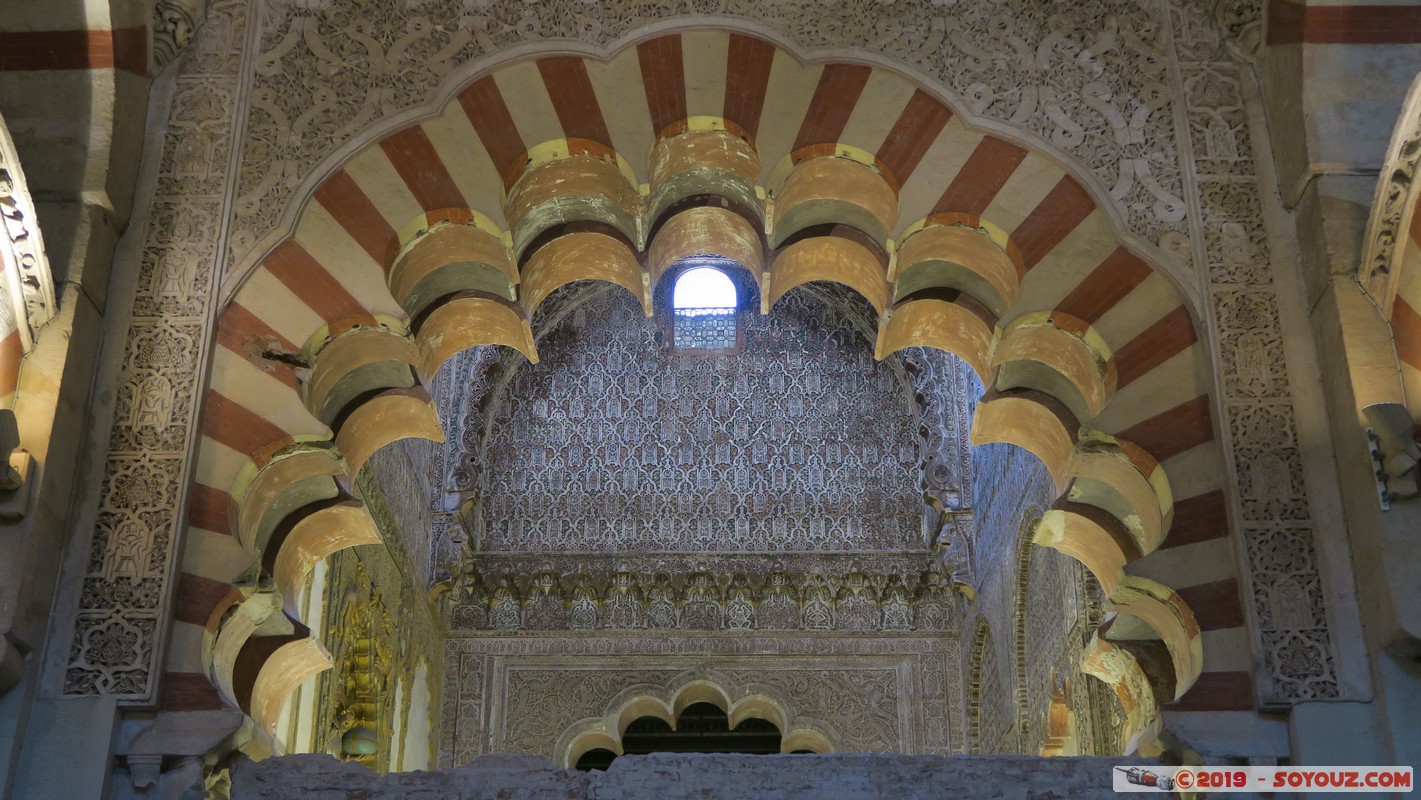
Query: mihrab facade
[1065, 405]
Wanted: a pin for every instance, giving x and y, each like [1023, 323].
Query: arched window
[703, 305]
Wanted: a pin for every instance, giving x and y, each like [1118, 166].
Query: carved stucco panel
[602, 448]
[125, 578]
[883, 694]
[199, 139]
[862, 703]
[158, 386]
[173, 24]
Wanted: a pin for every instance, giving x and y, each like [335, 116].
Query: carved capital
[1241, 22]
[173, 24]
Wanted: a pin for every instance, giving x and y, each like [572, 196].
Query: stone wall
[674, 777]
[407, 501]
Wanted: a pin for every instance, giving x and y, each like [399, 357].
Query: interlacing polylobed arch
[449, 233]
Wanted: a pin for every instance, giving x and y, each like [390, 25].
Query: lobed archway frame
[448, 233]
[797, 732]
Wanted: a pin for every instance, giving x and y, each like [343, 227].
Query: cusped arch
[945, 252]
[827, 185]
[703, 156]
[449, 256]
[705, 231]
[569, 181]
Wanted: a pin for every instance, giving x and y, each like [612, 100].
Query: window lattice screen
[705, 328]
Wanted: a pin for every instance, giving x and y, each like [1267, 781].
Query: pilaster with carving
[122, 611]
[1259, 430]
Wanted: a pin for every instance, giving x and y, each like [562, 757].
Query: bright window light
[703, 287]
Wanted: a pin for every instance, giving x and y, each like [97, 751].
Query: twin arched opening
[698, 716]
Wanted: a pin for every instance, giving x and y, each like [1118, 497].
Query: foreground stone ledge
[700, 777]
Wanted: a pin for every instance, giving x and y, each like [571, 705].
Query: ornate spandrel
[1091, 82]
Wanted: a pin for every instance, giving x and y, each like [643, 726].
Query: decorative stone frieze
[756, 596]
[879, 693]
